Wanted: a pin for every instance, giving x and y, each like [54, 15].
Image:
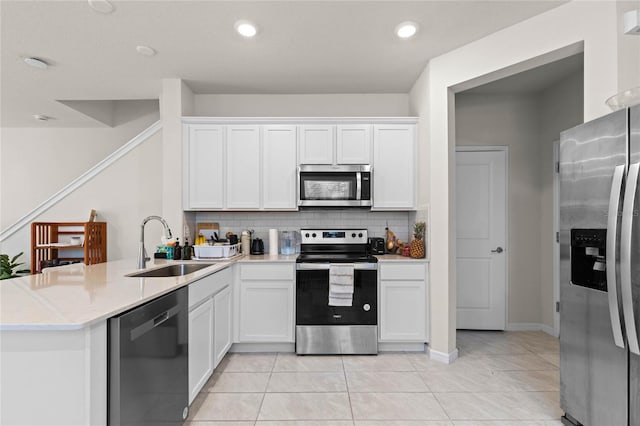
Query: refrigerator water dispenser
[588, 258]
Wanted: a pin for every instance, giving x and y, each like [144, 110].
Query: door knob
[498, 250]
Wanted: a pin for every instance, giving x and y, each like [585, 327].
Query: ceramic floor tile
[292, 362]
[402, 423]
[307, 382]
[254, 363]
[501, 406]
[508, 423]
[306, 423]
[229, 406]
[396, 406]
[516, 362]
[462, 380]
[552, 358]
[385, 381]
[466, 361]
[219, 423]
[538, 380]
[305, 406]
[381, 362]
[238, 382]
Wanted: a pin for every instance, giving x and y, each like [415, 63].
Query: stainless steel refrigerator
[600, 271]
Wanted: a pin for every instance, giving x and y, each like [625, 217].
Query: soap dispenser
[186, 250]
[177, 251]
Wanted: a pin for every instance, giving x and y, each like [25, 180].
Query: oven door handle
[326, 266]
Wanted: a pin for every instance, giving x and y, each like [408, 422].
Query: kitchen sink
[171, 270]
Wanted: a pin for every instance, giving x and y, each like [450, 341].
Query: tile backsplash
[261, 222]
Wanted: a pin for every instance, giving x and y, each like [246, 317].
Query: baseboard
[401, 347]
[262, 347]
[531, 326]
[444, 357]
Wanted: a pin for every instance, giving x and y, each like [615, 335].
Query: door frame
[505, 151]
[556, 242]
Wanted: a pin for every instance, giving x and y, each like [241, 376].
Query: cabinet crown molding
[300, 120]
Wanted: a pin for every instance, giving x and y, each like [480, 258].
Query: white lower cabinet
[266, 303]
[210, 325]
[403, 302]
[221, 325]
[201, 352]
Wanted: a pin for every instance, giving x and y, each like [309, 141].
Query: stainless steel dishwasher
[148, 363]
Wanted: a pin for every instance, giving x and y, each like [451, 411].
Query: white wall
[565, 30]
[303, 105]
[36, 162]
[123, 194]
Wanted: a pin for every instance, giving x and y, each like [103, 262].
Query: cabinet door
[200, 347]
[403, 315]
[394, 174]
[243, 167]
[279, 165]
[204, 165]
[221, 325]
[316, 144]
[353, 144]
[266, 311]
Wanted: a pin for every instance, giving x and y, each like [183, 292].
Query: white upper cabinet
[394, 167]
[317, 144]
[243, 167]
[203, 167]
[251, 164]
[279, 167]
[353, 144]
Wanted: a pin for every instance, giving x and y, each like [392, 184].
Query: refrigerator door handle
[612, 231]
[625, 258]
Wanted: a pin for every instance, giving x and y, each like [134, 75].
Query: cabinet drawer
[267, 272]
[403, 271]
[209, 285]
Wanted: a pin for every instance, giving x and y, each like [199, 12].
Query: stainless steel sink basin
[171, 270]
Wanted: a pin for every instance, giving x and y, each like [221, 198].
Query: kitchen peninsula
[54, 328]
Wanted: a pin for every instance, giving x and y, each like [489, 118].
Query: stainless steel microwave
[334, 186]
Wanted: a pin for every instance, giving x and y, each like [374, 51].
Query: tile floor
[500, 379]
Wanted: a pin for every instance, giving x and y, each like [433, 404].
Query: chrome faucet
[142, 254]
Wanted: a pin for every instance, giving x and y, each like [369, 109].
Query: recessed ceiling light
[145, 50]
[246, 28]
[36, 63]
[406, 30]
[41, 117]
[101, 6]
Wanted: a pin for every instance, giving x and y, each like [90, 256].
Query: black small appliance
[376, 245]
[257, 246]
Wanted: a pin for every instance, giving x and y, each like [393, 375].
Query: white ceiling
[302, 47]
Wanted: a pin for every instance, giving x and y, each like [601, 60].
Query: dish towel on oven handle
[341, 284]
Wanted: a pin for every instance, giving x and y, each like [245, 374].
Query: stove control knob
[306, 235]
[360, 235]
[313, 235]
[353, 235]
[366, 307]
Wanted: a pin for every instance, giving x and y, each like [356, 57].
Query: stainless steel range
[336, 293]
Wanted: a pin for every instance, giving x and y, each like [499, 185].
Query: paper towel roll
[273, 241]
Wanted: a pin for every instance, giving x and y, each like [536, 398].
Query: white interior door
[481, 223]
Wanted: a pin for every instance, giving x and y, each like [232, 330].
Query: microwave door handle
[358, 185]
[625, 258]
[612, 231]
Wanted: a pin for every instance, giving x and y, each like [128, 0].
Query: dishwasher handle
[149, 325]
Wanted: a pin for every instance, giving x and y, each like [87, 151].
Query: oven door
[312, 296]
